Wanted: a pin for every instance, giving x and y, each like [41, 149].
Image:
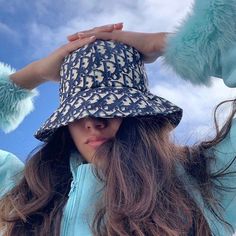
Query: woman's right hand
[48, 68]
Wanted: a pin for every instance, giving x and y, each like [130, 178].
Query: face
[89, 133]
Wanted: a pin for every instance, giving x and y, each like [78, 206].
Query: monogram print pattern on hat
[106, 65]
[105, 79]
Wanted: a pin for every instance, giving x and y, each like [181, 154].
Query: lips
[96, 141]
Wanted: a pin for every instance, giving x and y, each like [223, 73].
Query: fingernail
[118, 24]
[92, 37]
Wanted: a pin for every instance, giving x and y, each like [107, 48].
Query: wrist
[161, 42]
[27, 77]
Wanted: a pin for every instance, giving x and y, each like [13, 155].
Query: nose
[95, 123]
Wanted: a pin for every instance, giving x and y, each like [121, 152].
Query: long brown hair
[34, 206]
[143, 193]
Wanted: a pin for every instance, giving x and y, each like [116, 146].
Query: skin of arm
[27, 77]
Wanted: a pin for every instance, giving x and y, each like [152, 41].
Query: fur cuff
[205, 44]
[15, 102]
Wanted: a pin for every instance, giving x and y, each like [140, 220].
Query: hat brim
[108, 102]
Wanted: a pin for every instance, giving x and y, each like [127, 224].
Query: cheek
[78, 136]
[76, 133]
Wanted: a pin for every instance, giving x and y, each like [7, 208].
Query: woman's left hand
[151, 45]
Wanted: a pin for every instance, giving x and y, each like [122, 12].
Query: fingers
[72, 46]
[100, 35]
[104, 28]
[116, 35]
[80, 43]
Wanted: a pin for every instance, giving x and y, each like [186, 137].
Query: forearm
[27, 77]
[160, 41]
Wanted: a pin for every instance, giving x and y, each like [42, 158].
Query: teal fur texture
[15, 102]
[204, 45]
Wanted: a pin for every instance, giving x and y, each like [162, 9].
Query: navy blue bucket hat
[105, 79]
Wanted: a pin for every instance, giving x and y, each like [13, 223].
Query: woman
[146, 184]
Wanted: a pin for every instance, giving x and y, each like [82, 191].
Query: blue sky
[30, 30]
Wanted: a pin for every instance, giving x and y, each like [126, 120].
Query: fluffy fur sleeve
[15, 102]
[204, 44]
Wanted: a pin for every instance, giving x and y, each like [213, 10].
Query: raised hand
[48, 68]
[151, 45]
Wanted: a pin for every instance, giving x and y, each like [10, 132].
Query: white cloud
[197, 102]
[141, 15]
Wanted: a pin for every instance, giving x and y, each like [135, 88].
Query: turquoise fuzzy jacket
[203, 46]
